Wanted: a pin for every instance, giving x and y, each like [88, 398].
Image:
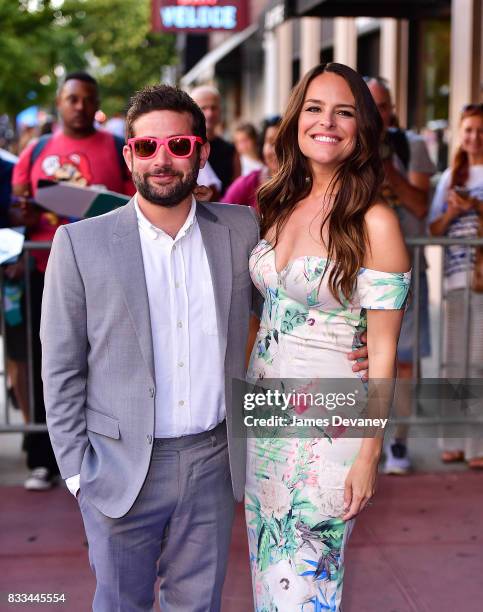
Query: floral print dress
[295, 486]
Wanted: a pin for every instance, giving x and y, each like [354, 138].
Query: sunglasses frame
[164, 141]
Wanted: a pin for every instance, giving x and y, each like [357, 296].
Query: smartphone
[463, 192]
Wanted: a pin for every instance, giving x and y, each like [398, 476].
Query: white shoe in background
[39, 480]
[397, 459]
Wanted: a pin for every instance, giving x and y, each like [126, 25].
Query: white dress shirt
[248, 164]
[188, 360]
[208, 177]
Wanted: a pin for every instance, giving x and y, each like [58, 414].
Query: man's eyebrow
[314, 101]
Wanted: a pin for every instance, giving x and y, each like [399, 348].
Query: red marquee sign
[199, 16]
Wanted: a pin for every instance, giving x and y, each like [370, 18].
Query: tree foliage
[109, 38]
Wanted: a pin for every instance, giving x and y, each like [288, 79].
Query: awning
[208, 62]
[399, 9]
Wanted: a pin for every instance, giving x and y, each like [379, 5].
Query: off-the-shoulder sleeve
[382, 290]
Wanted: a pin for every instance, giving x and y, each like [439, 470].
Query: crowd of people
[77, 152]
[337, 187]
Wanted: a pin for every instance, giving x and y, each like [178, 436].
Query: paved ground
[419, 548]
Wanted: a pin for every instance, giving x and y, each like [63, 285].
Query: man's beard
[169, 195]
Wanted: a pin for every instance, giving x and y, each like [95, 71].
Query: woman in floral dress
[331, 264]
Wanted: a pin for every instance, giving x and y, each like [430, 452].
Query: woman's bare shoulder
[386, 247]
[380, 215]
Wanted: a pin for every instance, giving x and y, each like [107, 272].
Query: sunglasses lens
[145, 148]
[180, 146]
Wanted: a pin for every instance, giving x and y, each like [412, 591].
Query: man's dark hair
[268, 122]
[164, 97]
[79, 76]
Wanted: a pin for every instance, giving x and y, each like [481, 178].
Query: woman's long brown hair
[355, 184]
[461, 165]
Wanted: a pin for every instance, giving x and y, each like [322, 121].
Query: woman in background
[457, 212]
[331, 263]
[244, 189]
[245, 139]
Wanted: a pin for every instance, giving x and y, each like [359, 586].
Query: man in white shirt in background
[223, 158]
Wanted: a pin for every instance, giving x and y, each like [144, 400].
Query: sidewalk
[417, 549]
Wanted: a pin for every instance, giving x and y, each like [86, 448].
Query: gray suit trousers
[178, 528]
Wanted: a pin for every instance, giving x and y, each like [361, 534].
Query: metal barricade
[440, 384]
[417, 244]
[6, 424]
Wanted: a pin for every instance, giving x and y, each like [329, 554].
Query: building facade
[430, 52]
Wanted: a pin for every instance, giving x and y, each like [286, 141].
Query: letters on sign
[199, 15]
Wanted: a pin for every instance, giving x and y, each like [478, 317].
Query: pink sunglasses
[177, 146]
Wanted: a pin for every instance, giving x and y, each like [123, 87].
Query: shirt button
[174, 247]
[176, 285]
[151, 392]
[149, 438]
[180, 324]
[181, 403]
[180, 364]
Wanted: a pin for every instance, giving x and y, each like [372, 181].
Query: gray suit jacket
[97, 353]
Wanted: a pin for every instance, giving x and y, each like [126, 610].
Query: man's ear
[127, 154]
[204, 154]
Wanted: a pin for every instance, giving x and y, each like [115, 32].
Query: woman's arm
[386, 252]
[253, 326]
[456, 207]
[438, 219]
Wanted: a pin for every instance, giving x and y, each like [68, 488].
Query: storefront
[429, 51]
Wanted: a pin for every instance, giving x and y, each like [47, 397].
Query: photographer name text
[297, 421]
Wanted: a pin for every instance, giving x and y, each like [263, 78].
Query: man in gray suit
[144, 326]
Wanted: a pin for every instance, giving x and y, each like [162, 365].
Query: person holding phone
[457, 212]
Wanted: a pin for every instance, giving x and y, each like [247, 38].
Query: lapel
[128, 263]
[216, 240]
